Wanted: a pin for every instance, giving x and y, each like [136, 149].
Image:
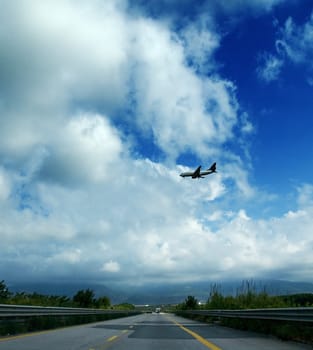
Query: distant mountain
[156, 294]
[177, 293]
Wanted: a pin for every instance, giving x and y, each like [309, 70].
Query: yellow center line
[113, 338]
[200, 339]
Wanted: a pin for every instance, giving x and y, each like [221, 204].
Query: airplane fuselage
[195, 176]
[198, 173]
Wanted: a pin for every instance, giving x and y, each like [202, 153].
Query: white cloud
[148, 222]
[174, 102]
[85, 149]
[247, 126]
[296, 41]
[111, 266]
[200, 44]
[267, 246]
[5, 186]
[293, 44]
[66, 257]
[270, 67]
[68, 49]
[236, 173]
[305, 196]
[59, 56]
[97, 55]
[82, 83]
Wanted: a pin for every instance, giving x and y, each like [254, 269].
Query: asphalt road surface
[146, 332]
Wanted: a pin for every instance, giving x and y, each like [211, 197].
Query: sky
[103, 103]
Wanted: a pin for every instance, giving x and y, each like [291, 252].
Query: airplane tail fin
[213, 168]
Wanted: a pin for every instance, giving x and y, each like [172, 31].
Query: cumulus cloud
[91, 55]
[253, 238]
[174, 102]
[111, 266]
[59, 50]
[148, 230]
[83, 83]
[85, 149]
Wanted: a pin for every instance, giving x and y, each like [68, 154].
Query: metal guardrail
[297, 314]
[9, 311]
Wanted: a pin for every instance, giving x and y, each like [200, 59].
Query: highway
[146, 332]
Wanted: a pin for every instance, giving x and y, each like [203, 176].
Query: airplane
[198, 173]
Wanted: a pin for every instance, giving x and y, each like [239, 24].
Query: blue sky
[104, 103]
[279, 107]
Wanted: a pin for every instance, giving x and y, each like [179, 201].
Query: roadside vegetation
[247, 297]
[82, 299]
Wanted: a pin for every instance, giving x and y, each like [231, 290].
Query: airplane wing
[196, 172]
[193, 174]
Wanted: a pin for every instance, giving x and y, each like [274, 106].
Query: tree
[84, 298]
[103, 302]
[191, 303]
[4, 292]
